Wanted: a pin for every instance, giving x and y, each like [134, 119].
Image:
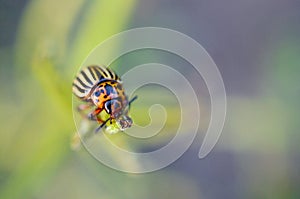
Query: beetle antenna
[132, 100]
[101, 126]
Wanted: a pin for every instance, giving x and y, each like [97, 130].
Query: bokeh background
[256, 46]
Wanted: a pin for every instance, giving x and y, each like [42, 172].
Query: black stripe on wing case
[111, 73]
[86, 77]
[82, 84]
[79, 89]
[104, 72]
[99, 73]
[91, 70]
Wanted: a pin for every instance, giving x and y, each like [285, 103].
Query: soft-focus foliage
[256, 46]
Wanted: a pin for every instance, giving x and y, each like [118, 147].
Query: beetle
[100, 87]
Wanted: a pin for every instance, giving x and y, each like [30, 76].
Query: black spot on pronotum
[119, 86]
[109, 89]
[97, 93]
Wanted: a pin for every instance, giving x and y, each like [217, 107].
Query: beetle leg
[132, 100]
[82, 107]
[93, 115]
[102, 125]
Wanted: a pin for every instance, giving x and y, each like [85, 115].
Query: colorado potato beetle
[102, 88]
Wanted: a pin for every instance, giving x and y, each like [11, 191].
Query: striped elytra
[89, 77]
[101, 88]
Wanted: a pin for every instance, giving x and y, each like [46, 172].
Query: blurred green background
[256, 46]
